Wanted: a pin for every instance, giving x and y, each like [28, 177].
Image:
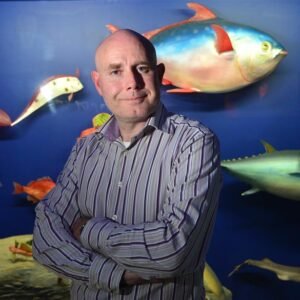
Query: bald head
[122, 37]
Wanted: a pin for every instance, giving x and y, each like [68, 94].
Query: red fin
[4, 118]
[18, 188]
[112, 28]
[223, 42]
[32, 199]
[202, 13]
[87, 132]
[166, 82]
[187, 90]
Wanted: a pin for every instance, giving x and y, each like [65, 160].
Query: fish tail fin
[112, 28]
[18, 188]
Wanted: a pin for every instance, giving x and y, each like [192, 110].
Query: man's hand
[77, 227]
[130, 278]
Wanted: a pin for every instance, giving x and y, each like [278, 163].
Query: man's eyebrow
[114, 66]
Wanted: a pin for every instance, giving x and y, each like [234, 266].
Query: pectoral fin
[223, 42]
[187, 90]
[250, 192]
[166, 82]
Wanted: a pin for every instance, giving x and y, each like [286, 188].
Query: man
[133, 210]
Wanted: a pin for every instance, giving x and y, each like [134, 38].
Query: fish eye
[266, 46]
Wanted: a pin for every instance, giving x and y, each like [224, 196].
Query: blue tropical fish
[208, 54]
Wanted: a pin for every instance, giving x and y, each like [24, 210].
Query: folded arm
[177, 242]
[54, 244]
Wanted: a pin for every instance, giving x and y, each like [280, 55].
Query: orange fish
[36, 190]
[4, 119]
[22, 249]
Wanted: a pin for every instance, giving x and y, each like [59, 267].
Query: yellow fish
[283, 272]
[98, 121]
[50, 89]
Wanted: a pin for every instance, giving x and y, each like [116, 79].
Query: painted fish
[283, 272]
[276, 172]
[21, 248]
[49, 90]
[36, 190]
[213, 287]
[97, 121]
[4, 119]
[208, 54]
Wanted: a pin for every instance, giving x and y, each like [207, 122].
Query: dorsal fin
[112, 28]
[201, 14]
[269, 148]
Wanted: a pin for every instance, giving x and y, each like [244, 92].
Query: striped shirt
[151, 205]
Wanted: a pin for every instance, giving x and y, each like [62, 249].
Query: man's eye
[115, 72]
[143, 69]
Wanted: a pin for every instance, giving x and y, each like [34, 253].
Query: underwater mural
[208, 54]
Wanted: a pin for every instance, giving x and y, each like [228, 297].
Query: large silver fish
[276, 172]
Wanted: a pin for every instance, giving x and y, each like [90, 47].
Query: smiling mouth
[136, 98]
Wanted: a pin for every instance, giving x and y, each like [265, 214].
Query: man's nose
[134, 80]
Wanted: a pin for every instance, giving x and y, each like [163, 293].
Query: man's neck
[129, 130]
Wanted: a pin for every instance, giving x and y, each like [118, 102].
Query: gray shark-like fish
[275, 172]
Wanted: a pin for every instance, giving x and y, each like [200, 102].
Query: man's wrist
[81, 228]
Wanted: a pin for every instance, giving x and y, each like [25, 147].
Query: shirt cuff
[95, 234]
[105, 274]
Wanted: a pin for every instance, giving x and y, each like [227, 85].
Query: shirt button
[114, 217]
[120, 184]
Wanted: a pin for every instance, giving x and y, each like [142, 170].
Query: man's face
[128, 80]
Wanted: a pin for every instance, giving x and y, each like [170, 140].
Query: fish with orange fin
[208, 54]
[36, 190]
[22, 248]
[50, 89]
[97, 121]
[4, 119]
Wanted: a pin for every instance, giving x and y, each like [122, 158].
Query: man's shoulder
[180, 123]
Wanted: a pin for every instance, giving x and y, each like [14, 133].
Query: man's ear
[160, 72]
[95, 78]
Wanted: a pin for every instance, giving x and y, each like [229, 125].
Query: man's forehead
[121, 46]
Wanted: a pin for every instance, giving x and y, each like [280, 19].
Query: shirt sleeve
[177, 242]
[53, 243]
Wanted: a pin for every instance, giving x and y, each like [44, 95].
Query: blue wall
[43, 38]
